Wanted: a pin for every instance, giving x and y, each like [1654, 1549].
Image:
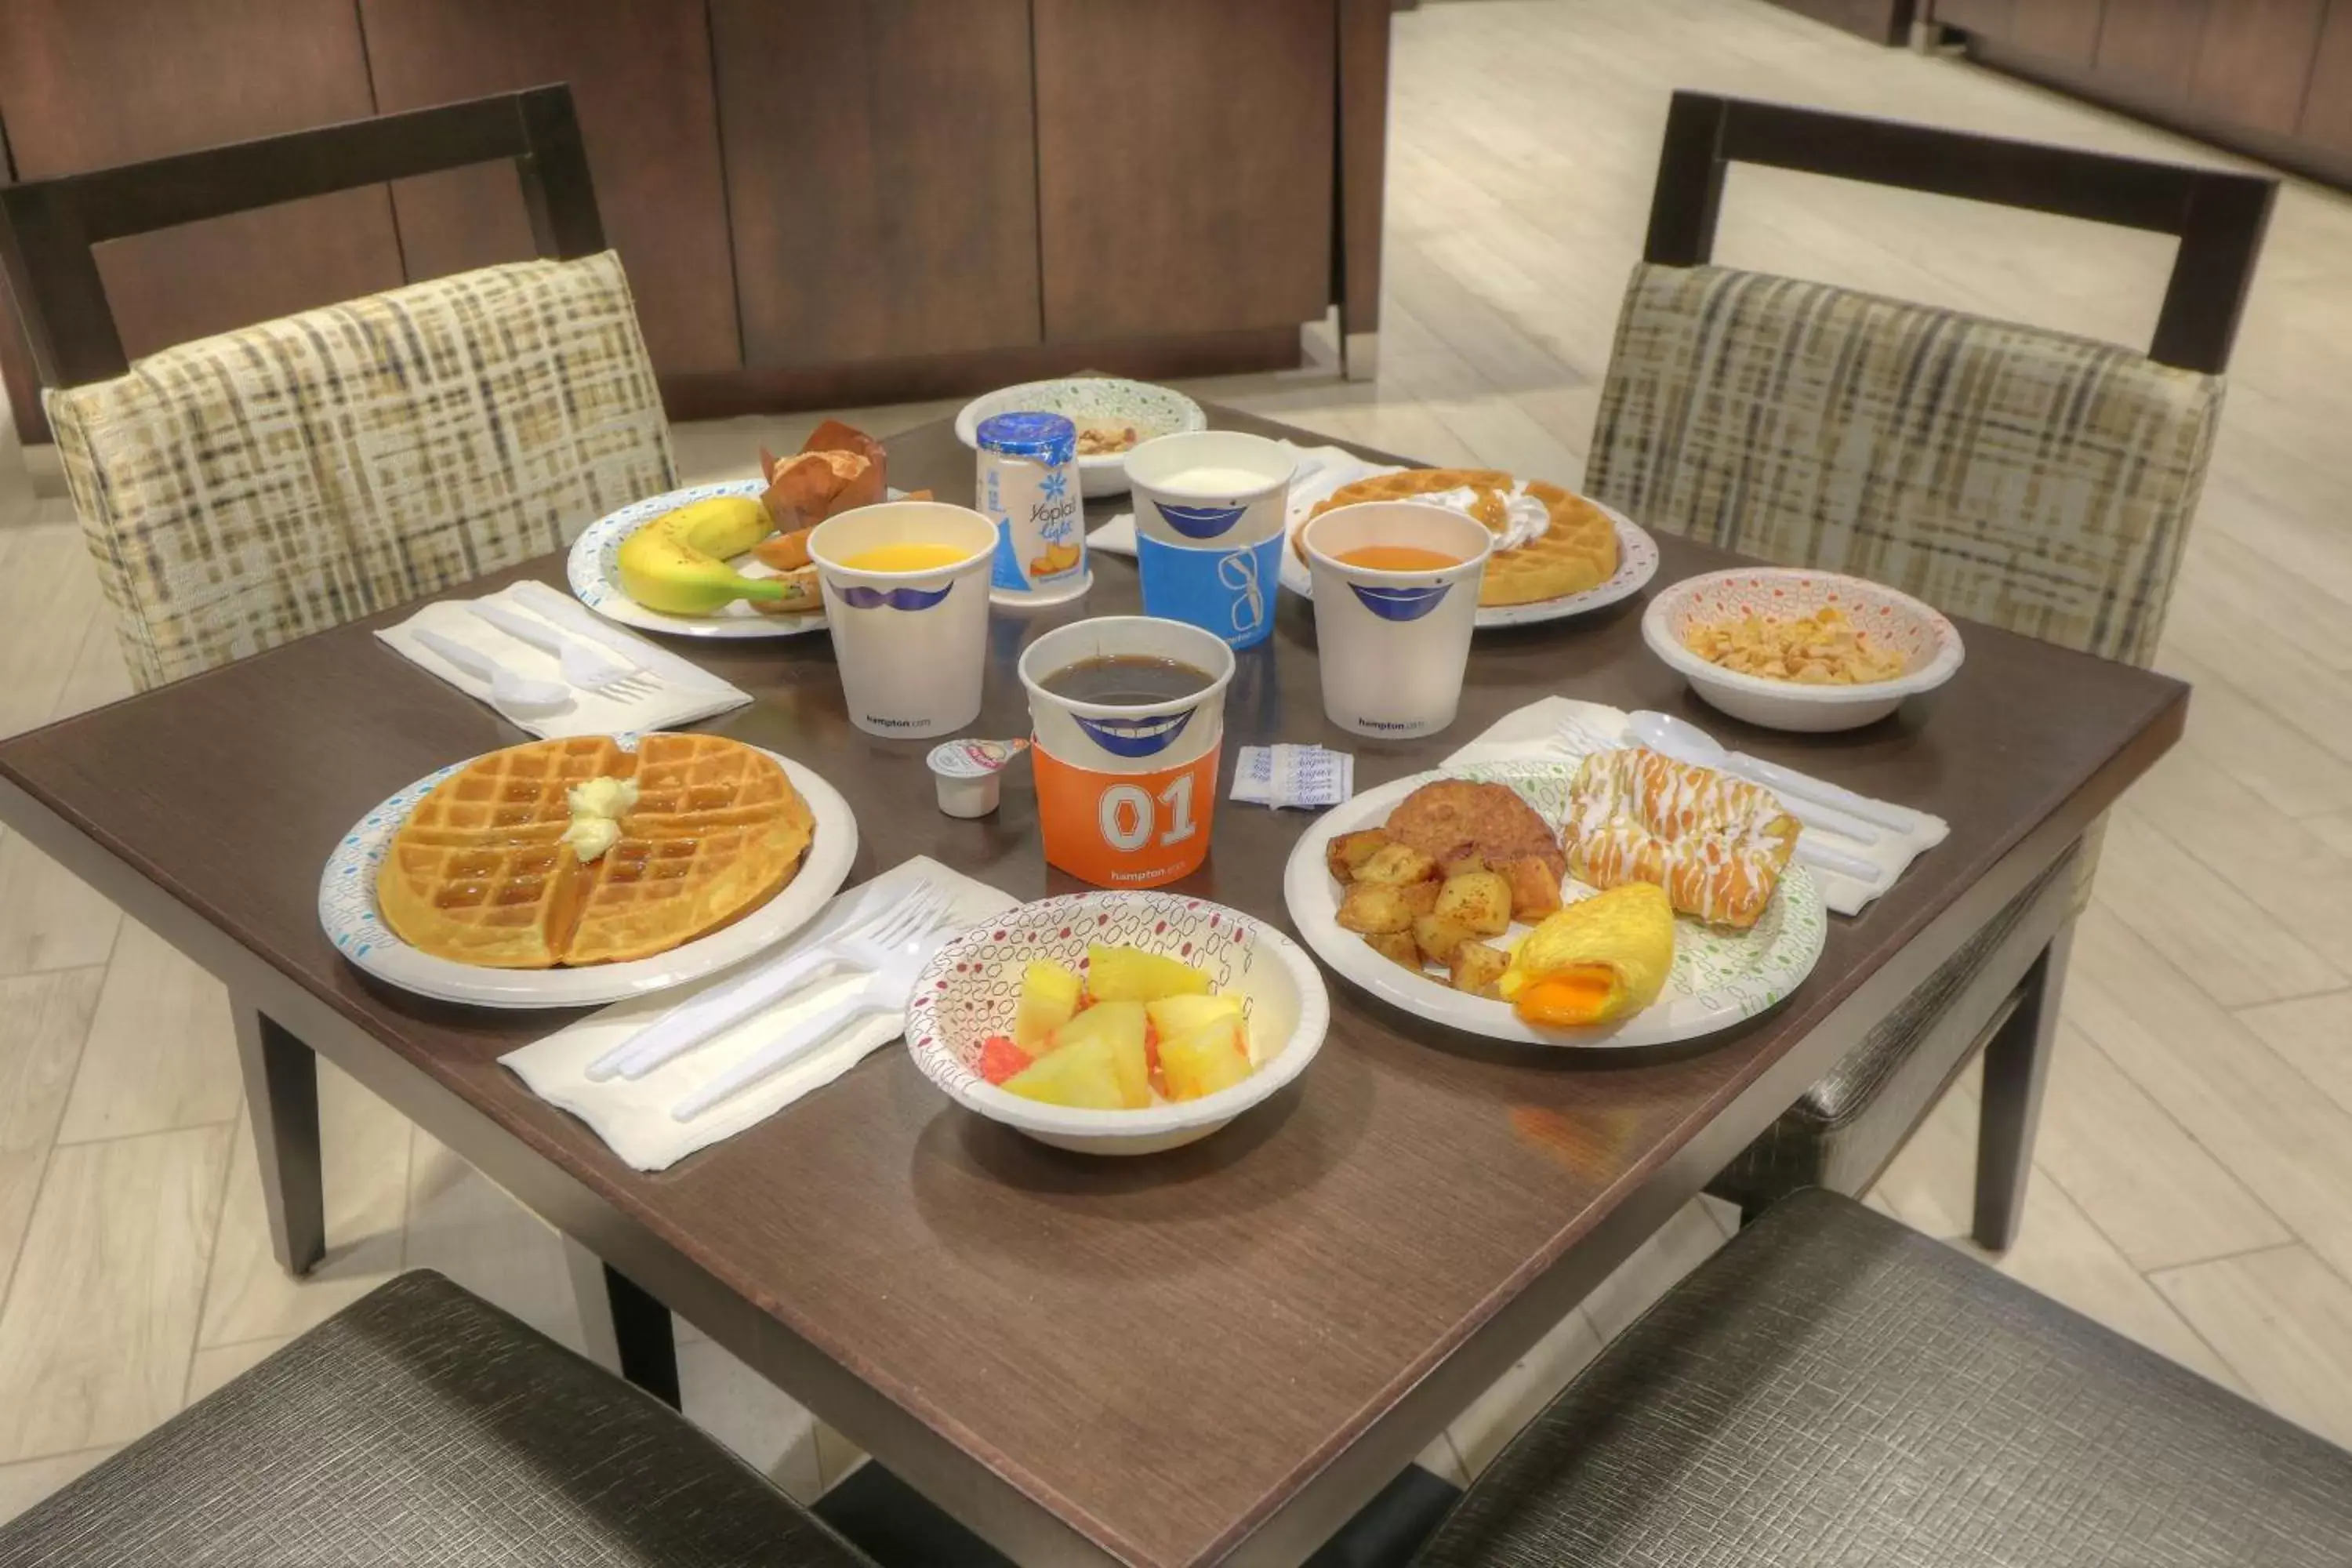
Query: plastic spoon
[1800, 797]
[508, 689]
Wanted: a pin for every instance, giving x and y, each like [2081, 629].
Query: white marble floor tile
[162, 1052]
[49, 919]
[2315, 1034]
[42, 1018]
[215, 1365]
[1658, 1266]
[462, 1223]
[101, 1316]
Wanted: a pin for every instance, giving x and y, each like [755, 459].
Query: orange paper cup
[1125, 830]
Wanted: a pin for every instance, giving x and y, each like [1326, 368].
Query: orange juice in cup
[1130, 717]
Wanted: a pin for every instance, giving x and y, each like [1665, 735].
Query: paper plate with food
[730, 559]
[1627, 899]
[1117, 1022]
[1556, 552]
[571, 872]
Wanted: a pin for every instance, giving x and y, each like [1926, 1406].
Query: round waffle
[480, 873]
[1577, 552]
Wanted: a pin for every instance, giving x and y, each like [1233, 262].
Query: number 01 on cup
[1125, 830]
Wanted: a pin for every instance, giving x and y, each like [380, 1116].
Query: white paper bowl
[1154, 411]
[1931, 644]
[969, 990]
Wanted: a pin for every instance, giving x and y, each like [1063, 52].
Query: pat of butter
[597, 807]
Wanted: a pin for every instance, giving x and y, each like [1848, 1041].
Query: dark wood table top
[1162, 1352]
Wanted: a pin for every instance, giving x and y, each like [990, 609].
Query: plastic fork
[507, 689]
[1580, 740]
[588, 669]
[866, 945]
[888, 988]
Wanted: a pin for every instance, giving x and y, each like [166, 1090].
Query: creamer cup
[912, 645]
[1393, 646]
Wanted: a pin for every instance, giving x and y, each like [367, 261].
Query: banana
[676, 564]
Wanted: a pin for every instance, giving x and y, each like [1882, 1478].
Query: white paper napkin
[634, 1119]
[1527, 733]
[686, 692]
[1321, 470]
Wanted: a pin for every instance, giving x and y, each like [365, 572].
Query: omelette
[1595, 962]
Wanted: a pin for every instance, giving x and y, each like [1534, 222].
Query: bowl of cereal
[1794, 649]
[1113, 416]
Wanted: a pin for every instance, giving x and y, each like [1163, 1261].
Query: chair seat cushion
[1833, 1388]
[423, 1426]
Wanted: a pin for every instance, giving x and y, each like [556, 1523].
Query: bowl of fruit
[1117, 1022]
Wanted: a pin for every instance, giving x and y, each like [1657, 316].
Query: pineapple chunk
[1175, 1016]
[1131, 974]
[1204, 1060]
[1095, 1062]
[1049, 999]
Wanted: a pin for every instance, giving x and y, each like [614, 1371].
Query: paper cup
[1393, 646]
[912, 645]
[1210, 507]
[1127, 792]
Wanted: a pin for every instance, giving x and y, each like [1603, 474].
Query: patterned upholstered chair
[2041, 482]
[245, 490]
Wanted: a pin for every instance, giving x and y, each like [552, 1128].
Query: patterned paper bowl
[1154, 411]
[968, 992]
[1929, 644]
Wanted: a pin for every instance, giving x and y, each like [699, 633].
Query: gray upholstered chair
[1836, 1390]
[422, 1427]
[2041, 482]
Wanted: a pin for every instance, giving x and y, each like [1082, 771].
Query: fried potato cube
[1461, 863]
[1476, 967]
[1535, 890]
[1438, 937]
[1374, 909]
[1346, 854]
[1420, 897]
[1396, 865]
[1479, 902]
[1397, 947]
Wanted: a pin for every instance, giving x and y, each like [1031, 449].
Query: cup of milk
[1210, 507]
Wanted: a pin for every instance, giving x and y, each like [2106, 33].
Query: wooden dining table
[1214, 1353]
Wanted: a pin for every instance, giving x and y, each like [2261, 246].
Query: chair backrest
[2038, 480]
[245, 490]
[47, 227]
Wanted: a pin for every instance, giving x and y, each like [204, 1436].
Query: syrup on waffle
[481, 872]
[1578, 552]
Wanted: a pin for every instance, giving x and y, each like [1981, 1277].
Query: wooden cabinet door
[2256, 62]
[2066, 31]
[882, 176]
[85, 84]
[1184, 164]
[1985, 18]
[2149, 46]
[640, 77]
[2327, 105]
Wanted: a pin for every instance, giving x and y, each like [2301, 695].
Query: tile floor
[2194, 1181]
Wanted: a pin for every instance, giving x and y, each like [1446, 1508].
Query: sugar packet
[1308, 776]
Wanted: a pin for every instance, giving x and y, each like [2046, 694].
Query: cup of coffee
[905, 597]
[1210, 508]
[1129, 713]
[1396, 596]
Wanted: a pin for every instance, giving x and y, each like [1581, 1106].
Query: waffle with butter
[482, 871]
[1579, 552]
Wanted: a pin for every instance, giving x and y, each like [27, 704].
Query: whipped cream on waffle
[1526, 518]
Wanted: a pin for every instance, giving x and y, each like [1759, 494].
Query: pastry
[574, 851]
[1548, 542]
[1717, 844]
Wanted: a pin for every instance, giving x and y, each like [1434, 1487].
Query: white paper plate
[1637, 562]
[1720, 978]
[593, 571]
[347, 910]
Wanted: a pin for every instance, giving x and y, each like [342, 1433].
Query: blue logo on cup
[1136, 737]
[1227, 592]
[864, 598]
[1401, 603]
[1201, 522]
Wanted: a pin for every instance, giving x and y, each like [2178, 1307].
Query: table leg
[281, 1096]
[2016, 1066]
[625, 1327]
